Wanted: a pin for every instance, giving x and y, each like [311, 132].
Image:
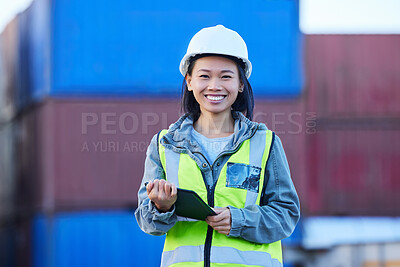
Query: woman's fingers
[163, 194]
[174, 190]
[222, 213]
[161, 184]
[220, 222]
[222, 229]
[149, 187]
[154, 190]
[167, 189]
[162, 188]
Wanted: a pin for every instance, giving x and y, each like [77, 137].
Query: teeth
[216, 98]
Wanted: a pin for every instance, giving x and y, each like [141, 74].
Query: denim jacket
[271, 221]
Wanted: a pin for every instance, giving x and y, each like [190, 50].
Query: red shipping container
[292, 123]
[354, 172]
[87, 154]
[353, 75]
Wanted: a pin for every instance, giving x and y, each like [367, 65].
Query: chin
[215, 111]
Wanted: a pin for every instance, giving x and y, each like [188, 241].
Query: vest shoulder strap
[262, 202]
[161, 149]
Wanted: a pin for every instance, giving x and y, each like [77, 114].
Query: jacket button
[204, 165]
[218, 164]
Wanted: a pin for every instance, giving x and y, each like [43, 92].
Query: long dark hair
[243, 103]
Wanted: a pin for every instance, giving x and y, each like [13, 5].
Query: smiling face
[215, 84]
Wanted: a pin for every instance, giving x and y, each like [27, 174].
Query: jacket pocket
[244, 176]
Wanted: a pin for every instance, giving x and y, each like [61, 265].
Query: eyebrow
[223, 71]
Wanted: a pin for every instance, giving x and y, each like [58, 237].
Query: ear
[188, 79]
[241, 87]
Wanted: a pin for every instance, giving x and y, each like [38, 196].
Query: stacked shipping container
[124, 51]
[353, 85]
[78, 153]
[353, 76]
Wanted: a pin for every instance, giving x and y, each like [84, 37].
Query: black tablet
[189, 204]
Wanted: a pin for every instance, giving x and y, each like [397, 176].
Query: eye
[205, 76]
[226, 77]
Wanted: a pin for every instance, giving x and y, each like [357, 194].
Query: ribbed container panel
[130, 48]
[22, 91]
[292, 124]
[41, 49]
[87, 154]
[353, 87]
[79, 154]
[90, 154]
[93, 239]
[354, 172]
[353, 75]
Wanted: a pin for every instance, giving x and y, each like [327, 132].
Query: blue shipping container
[131, 48]
[22, 92]
[93, 239]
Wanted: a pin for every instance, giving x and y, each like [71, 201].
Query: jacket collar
[179, 133]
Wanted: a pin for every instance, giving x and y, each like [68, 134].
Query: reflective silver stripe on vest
[172, 166]
[257, 147]
[234, 256]
[172, 162]
[186, 219]
[219, 255]
[183, 254]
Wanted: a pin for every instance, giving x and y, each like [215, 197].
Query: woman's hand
[222, 221]
[162, 193]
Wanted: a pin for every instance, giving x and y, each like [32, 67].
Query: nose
[214, 84]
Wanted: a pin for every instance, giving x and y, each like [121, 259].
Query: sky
[316, 16]
[350, 16]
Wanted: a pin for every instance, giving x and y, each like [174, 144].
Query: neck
[215, 125]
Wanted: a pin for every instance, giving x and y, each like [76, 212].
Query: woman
[236, 166]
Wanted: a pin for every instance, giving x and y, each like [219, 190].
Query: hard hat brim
[184, 65]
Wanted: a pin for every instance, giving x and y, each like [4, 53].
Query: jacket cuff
[237, 221]
[160, 216]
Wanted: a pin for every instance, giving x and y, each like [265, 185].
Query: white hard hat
[216, 40]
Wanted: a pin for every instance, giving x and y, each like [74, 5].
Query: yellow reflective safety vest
[240, 183]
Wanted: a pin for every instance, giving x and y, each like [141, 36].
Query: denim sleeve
[150, 220]
[279, 212]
